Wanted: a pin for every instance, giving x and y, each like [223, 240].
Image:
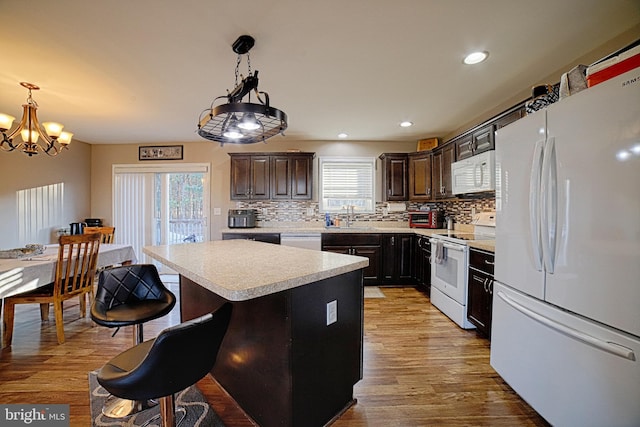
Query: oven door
[450, 275]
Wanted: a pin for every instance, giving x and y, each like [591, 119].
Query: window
[347, 182]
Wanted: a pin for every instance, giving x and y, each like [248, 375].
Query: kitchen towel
[439, 252]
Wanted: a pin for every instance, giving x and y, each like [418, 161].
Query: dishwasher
[302, 240]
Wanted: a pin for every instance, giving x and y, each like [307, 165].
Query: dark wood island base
[280, 360]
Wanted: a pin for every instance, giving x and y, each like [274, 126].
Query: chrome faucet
[350, 214]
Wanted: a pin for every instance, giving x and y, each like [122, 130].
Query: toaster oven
[426, 219]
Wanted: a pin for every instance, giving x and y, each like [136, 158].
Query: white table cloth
[25, 274]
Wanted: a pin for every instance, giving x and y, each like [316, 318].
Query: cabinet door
[372, 273]
[479, 300]
[240, 177]
[441, 173]
[260, 169]
[394, 177]
[420, 181]
[422, 256]
[301, 177]
[280, 177]
[510, 117]
[465, 147]
[484, 139]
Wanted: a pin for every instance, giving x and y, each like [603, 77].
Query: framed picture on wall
[160, 152]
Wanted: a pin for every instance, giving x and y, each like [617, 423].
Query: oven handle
[459, 248]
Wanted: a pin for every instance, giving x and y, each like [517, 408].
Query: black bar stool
[130, 295]
[179, 357]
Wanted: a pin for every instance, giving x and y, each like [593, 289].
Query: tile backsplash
[307, 211]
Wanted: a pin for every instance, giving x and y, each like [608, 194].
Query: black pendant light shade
[238, 122]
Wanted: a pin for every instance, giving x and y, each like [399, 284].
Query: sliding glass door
[160, 205]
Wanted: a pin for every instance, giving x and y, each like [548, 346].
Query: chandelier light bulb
[53, 129]
[6, 121]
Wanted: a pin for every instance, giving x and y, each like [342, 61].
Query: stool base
[116, 407]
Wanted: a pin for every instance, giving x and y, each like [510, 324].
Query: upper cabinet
[420, 176]
[394, 177]
[250, 177]
[263, 176]
[476, 142]
[441, 171]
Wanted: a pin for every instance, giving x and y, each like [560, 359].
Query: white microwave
[474, 174]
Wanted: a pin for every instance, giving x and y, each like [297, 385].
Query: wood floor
[420, 369]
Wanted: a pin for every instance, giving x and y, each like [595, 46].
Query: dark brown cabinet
[362, 244]
[441, 171]
[398, 260]
[476, 142]
[291, 177]
[264, 176]
[422, 256]
[420, 176]
[510, 117]
[480, 290]
[394, 177]
[250, 177]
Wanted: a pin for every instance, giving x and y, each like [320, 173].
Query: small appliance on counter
[242, 218]
[426, 219]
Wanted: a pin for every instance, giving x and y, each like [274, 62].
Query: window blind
[346, 182]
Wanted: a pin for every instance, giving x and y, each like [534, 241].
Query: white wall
[20, 172]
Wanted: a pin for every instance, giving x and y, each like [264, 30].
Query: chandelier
[53, 138]
[238, 122]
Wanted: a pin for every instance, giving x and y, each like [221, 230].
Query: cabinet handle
[489, 262]
[490, 286]
[428, 191]
[388, 192]
[393, 241]
[484, 285]
[443, 190]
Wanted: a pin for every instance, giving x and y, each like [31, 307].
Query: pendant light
[239, 122]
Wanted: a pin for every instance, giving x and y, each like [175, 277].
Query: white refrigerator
[566, 302]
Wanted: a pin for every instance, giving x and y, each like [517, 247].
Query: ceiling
[142, 71]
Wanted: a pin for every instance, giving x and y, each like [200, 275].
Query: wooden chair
[107, 233]
[75, 271]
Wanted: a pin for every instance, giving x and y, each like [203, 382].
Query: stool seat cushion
[131, 313]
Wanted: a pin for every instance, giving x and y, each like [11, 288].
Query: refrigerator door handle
[609, 347]
[534, 205]
[549, 197]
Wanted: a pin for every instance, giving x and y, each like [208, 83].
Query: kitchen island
[293, 350]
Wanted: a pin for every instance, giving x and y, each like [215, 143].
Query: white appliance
[566, 305]
[474, 174]
[302, 240]
[450, 265]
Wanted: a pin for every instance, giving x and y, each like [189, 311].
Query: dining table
[27, 273]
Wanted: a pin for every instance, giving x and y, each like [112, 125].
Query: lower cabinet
[398, 260]
[422, 256]
[259, 237]
[480, 290]
[362, 244]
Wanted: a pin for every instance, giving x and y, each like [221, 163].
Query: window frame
[370, 201]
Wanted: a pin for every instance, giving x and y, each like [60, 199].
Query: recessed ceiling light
[476, 57]
[406, 124]
[342, 135]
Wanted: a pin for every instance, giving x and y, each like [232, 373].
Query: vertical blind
[347, 181]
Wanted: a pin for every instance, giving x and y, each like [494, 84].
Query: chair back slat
[77, 262]
[108, 233]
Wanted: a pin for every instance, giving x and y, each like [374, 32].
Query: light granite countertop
[240, 270]
[366, 227]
